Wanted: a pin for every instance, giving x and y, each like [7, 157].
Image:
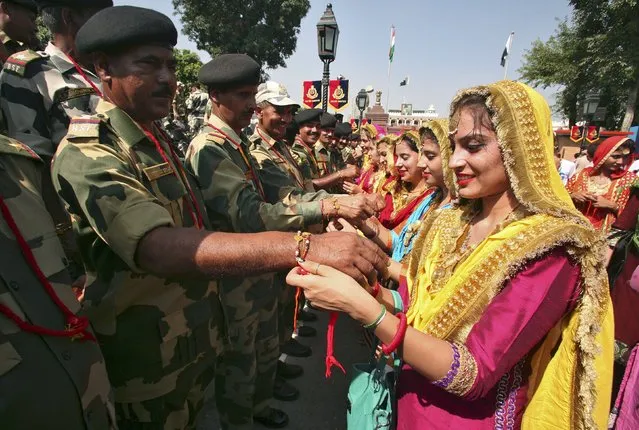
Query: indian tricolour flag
[391, 52]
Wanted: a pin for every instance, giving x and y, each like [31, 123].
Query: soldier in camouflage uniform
[234, 194]
[279, 174]
[308, 123]
[17, 27]
[140, 221]
[41, 91]
[322, 146]
[196, 109]
[63, 378]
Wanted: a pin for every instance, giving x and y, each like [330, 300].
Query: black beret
[343, 129]
[308, 115]
[75, 4]
[328, 120]
[27, 4]
[230, 70]
[123, 27]
[354, 136]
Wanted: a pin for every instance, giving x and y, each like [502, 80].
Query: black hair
[426, 133]
[590, 150]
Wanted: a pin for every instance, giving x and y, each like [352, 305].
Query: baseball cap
[275, 94]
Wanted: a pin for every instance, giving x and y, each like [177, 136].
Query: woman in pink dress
[505, 319]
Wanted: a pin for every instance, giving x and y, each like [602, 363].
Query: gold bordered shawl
[571, 380]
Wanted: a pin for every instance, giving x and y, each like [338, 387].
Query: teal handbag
[371, 393]
[371, 396]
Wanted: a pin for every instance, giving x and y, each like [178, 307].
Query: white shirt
[566, 170]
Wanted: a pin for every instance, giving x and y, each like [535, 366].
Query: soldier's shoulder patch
[10, 146]
[18, 62]
[215, 137]
[84, 126]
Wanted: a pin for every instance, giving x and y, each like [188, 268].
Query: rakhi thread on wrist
[303, 239]
[330, 332]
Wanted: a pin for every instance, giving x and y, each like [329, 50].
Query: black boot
[288, 370]
[284, 391]
[295, 349]
[273, 419]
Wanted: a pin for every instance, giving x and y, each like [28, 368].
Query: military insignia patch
[159, 170]
[17, 63]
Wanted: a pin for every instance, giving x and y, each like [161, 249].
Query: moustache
[163, 92]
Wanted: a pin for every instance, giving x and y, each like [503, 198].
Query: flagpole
[510, 48]
[390, 64]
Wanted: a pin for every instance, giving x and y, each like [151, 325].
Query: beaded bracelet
[302, 239]
[335, 205]
[399, 335]
[378, 320]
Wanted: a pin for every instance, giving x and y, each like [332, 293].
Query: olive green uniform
[160, 337]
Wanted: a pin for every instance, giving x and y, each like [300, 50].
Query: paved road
[322, 403]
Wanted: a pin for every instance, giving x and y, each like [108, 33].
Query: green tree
[44, 35]
[591, 51]
[188, 66]
[266, 30]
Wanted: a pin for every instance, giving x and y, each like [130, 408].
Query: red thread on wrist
[399, 335]
[376, 289]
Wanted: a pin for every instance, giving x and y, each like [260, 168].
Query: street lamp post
[327, 36]
[361, 101]
[590, 107]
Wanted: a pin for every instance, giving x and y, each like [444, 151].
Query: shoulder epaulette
[18, 62]
[84, 126]
[215, 137]
[10, 146]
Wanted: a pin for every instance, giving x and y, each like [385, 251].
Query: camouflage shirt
[39, 93]
[118, 187]
[278, 169]
[305, 159]
[323, 157]
[233, 191]
[196, 103]
[44, 379]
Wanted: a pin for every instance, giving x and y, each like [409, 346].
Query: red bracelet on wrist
[376, 289]
[399, 336]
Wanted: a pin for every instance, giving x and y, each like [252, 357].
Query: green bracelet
[378, 320]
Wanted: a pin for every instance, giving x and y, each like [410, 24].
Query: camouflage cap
[120, 27]
[229, 71]
[27, 4]
[74, 4]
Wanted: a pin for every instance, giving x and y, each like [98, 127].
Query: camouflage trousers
[176, 410]
[246, 371]
[285, 308]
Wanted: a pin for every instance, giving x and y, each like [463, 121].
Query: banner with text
[312, 94]
[338, 94]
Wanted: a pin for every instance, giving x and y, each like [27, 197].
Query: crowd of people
[140, 269]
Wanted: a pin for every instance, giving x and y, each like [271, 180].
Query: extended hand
[356, 256]
[351, 188]
[360, 206]
[328, 288]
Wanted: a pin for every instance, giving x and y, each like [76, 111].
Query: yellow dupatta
[570, 384]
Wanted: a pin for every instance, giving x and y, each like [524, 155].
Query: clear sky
[442, 45]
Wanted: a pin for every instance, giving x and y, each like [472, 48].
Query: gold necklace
[453, 253]
[598, 187]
